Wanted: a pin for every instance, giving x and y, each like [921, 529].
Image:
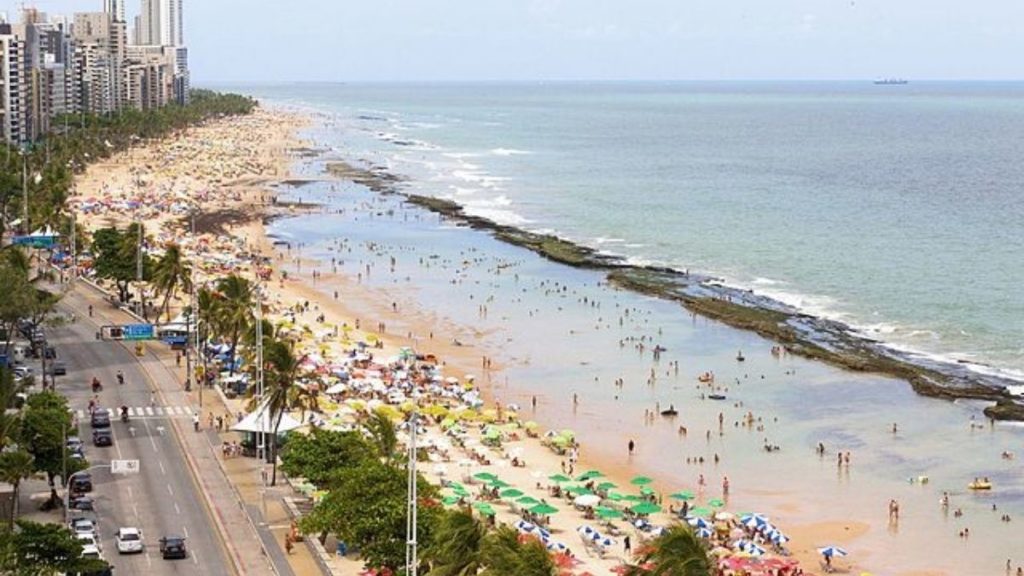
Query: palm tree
[171, 273]
[282, 367]
[10, 420]
[455, 546]
[505, 555]
[15, 466]
[677, 552]
[304, 399]
[383, 434]
[233, 310]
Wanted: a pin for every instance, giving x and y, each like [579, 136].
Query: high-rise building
[171, 31]
[12, 90]
[101, 44]
[115, 8]
[147, 28]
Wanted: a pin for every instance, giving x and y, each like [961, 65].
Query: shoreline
[829, 341]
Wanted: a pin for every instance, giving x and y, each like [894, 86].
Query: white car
[83, 526]
[90, 551]
[87, 540]
[23, 372]
[129, 541]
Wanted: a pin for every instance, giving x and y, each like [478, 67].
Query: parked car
[23, 372]
[129, 541]
[81, 483]
[83, 503]
[172, 547]
[83, 526]
[93, 552]
[100, 418]
[102, 437]
[87, 539]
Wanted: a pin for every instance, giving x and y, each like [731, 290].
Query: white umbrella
[587, 500]
[830, 551]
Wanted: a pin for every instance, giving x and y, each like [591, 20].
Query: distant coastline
[830, 341]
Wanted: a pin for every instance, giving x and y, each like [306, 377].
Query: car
[82, 503]
[100, 418]
[91, 551]
[82, 482]
[87, 539]
[129, 541]
[74, 445]
[57, 368]
[172, 547]
[102, 437]
[83, 526]
[23, 372]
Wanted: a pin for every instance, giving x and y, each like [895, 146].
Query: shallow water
[554, 345]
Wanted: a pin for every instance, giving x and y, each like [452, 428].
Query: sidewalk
[252, 521]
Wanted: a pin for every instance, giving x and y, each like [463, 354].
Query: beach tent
[260, 421]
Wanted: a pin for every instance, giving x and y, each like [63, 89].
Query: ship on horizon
[891, 81]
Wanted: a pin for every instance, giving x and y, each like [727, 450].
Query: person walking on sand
[627, 547]
[632, 446]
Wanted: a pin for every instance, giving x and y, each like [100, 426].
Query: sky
[467, 40]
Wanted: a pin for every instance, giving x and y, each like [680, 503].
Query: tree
[383, 433]
[505, 555]
[319, 455]
[366, 507]
[15, 466]
[170, 273]
[457, 541]
[677, 552]
[46, 424]
[35, 549]
[19, 297]
[233, 310]
[282, 368]
[10, 420]
[116, 257]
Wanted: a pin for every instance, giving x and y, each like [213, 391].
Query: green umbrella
[528, 501]
[647, 490]
[511, 493]
[589, 474]
[640, 481]
[700, 511]
[498, 483]
[607, 513]
[682, 495]
[485, 476]
[456, 485]
[559, 478]
[606, 486]
[578, 490]
[460, 491]
[567, 434]
[492, 433]
[635, 498]
[716, 503]
[645, 508]
[450, 500]
[484, 508]
[615, 497]
[543, 509]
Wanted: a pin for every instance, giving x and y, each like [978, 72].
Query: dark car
[83, 503]
[172, 547]
[57, 368]
[102, 437]
[81, 483]
[100, 418]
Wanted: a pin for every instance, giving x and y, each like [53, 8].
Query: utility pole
[138, 268]
[194, 318]
[411, 562]
[24, 192]
[74, 249]
[261, 436]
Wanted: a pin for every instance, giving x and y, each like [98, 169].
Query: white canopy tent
[260, 421]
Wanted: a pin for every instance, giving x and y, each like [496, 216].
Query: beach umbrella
[716, 503]
[615, 497]
[484, 508]
[528, 501]
[753, 520]
[607, 513]
[700, 511]
[460, 491]
[511, 493]
[559, 478]
[635, 498]
[641, 481]
[703, 533]
[543, 509]
[830, 551]
[498, 483]
[778, 538]
[698, 523]
[645, 508]
[603, 486]
[587, 500]
[485, 476]
[578, 490]
[450, 500]
[525, 527]
[588, 475]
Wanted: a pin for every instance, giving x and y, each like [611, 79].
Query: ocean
[895, 209]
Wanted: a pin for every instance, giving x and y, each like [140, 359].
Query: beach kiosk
[258, 426]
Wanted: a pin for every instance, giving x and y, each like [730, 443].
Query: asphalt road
[162, 499]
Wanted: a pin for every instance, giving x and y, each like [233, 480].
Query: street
[162, 499]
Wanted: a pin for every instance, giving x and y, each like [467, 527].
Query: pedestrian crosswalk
[146, 412]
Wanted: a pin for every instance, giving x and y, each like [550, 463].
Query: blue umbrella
[703, 533]
[830, 551]
[698, 523]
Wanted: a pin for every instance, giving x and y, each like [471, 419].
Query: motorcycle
[96, 385]
[124, 414]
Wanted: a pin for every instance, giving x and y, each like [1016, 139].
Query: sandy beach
[232, 172]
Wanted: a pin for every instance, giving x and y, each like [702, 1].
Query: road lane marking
[151, 440]
[170, 490]
[161, 463]
[149, 410]
[184, 529]
[176, 509]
